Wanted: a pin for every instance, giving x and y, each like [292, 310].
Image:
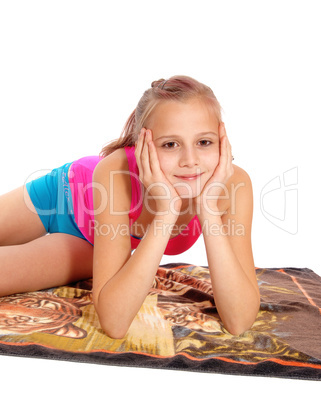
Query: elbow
[236, 330]
[113, 332]
[237, 327]
[113, 328]
[110, 322]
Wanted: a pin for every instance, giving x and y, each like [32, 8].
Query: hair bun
[157, 83]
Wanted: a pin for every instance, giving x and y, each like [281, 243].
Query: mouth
[190, 177]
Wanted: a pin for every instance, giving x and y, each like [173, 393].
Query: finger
[221, 130]
[229, 148]
[145, 155]
[223, 162]
[153, 157]
[223, 136]
[230, 157]
[139, 144]
[138, 151]
[224, 151]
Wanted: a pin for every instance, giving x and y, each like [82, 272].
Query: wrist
[161, 227]
[166, 218]
[206, 212]
[210, 217]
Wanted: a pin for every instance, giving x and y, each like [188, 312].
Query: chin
[187, 193]
[190, 189]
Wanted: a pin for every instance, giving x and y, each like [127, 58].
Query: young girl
[166, 180]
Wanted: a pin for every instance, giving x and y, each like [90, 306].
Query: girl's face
[186, 138]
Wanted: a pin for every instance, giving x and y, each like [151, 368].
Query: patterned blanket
[177, 327]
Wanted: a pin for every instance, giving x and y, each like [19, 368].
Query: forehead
[177, 116]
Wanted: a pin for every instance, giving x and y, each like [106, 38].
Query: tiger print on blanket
[41, 312]
[177, 327]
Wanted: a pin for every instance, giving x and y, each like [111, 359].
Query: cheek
[212, 162]
[166, 164]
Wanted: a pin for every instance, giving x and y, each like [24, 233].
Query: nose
[189, 157]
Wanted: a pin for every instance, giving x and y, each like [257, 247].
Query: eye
[169, 144]
[206, 141]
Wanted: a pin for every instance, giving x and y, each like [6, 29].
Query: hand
[207, 201]
[150, 174]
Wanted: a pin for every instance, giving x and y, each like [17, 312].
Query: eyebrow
[180, 137]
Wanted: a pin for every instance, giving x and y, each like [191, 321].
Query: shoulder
[115, 161]
[241, 179]
[112, 173]
[238, 190]
[240, 174]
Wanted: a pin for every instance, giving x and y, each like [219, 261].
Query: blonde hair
[179, 88]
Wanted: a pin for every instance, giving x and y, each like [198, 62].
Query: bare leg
[52, 260]
[19, 221]
[29, 260]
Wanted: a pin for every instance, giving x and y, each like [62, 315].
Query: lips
[189, 177]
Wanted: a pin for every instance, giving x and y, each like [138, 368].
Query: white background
[71, 72]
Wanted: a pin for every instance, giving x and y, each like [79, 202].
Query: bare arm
[227, 240]
[231, 264]
[121, 297]
[121, 280]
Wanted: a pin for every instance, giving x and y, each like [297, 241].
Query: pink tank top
[81, 186]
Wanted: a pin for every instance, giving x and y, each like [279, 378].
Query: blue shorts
[51, 196]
